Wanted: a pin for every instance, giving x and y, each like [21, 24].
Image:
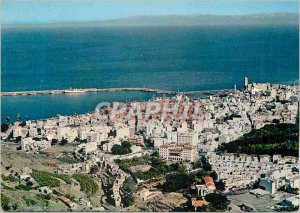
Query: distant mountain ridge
[188, 20]
[194, 20]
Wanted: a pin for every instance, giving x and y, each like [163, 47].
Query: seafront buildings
[223, 119]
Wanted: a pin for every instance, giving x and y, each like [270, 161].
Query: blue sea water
[174, 58]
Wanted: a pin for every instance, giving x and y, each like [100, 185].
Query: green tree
[14, 206]
[63, 142]
[182, 169]
[127, 200]
[4, 127]
[218, 201]
[5, 202]
[124, 148]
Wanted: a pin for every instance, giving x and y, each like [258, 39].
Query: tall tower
[246, 82]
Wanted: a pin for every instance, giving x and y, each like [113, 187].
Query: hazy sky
[48, 11]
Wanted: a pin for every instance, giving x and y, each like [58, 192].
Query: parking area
[262, 203]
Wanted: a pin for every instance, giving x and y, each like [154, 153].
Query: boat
[75, 90]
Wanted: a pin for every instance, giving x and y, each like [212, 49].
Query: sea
[172, 58]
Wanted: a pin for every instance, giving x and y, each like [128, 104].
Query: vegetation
[135, 161]
[127, 200]
[45, 179]
[63, 177]
[175, 182]
[44, 197]
[70, 197]
[230, 117]
[4, 127]
[49, 179]
[9, 178]
[197, 164]
[54, 141]
[271, 139]
[63, 142]
[183, 181]
[289, 190]
[5, 202]
[129, 187]
[87, 184]
[218, 201]
[14, 206]
[22, 124]
[30, 202]
[25, 187]
[289, 209]
[124, 148]
[155, 154]
[208, 208]
[18, 139]
[69, 160]
[205, 164]
[220, 185]
[159, 168]
[7, 187]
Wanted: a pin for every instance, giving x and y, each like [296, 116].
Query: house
[67, 202]
[198, 203]
[209, 183]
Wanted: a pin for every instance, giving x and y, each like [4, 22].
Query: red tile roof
[209, 181]
[66, 200]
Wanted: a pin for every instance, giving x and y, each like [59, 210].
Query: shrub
[45, 179]
[87, 184]
[25, 187]
[5, 202]
[124, 148]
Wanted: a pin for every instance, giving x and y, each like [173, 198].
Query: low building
[67, 202]
[209, 183]
[198, 203]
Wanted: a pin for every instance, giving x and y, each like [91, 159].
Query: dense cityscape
[239, 154]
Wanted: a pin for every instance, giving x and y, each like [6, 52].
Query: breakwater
[90, 90]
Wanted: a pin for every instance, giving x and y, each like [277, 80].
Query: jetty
[92, 90]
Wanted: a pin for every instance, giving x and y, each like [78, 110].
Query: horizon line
[137, 16]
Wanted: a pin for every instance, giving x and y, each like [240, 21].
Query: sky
[54, 11]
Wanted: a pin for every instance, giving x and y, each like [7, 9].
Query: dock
[92, 90]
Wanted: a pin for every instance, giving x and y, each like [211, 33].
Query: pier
[91, 90]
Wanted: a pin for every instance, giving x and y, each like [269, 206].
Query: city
[239, 154]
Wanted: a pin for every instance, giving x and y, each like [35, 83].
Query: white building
[187, 138]
[178, 152]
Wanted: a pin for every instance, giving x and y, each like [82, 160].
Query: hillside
[271, 139]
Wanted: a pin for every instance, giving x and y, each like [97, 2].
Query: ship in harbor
[75, 90]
